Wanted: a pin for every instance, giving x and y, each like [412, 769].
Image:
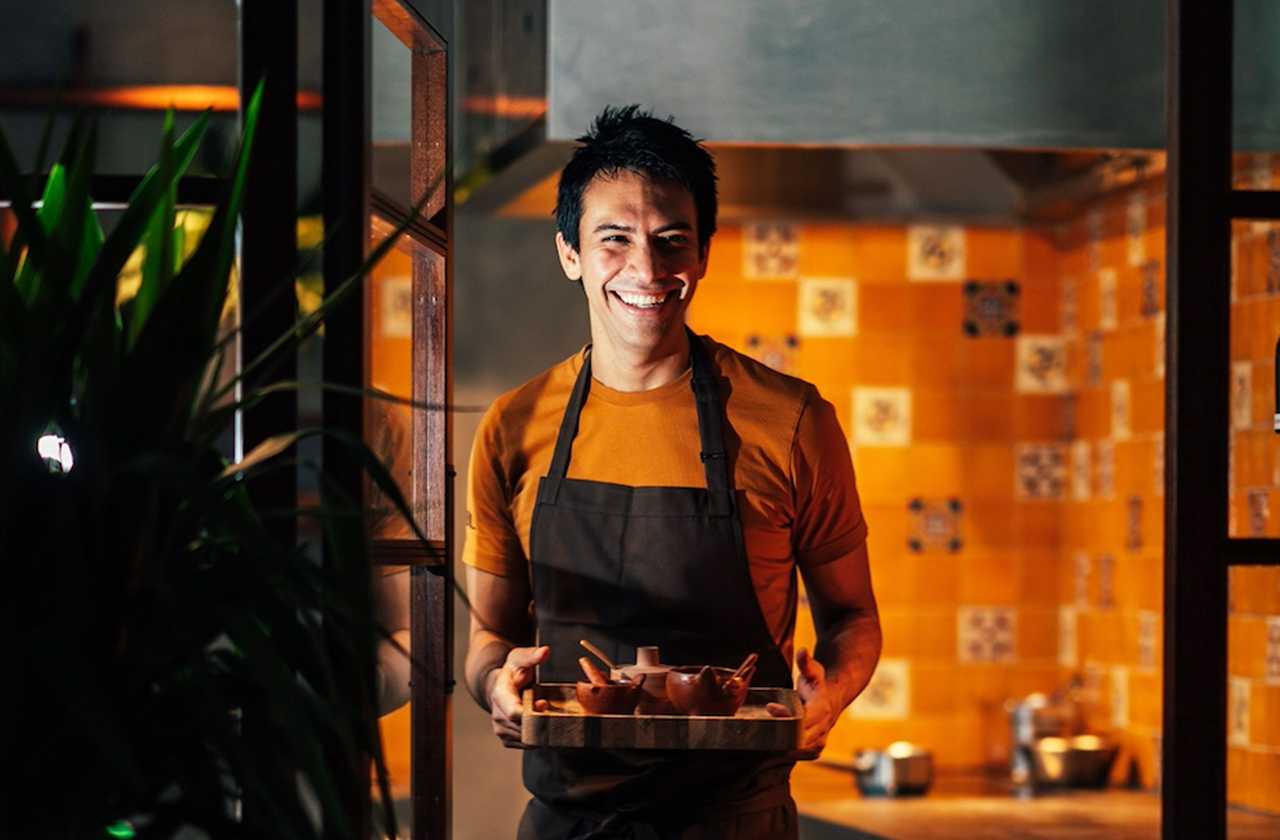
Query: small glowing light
[121, 829]
[55, 448]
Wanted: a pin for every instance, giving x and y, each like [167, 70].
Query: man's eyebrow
[612, 226]
[674, 226]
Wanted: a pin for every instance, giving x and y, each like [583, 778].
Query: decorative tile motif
[778, 353]
[1259, 172]
[888, 695]
[1259, 512]
[881, 416]
[1106, 582]
[1241, 395]
[1157, 466]
[1108, 300]
[935, 252]
[934, 525]
[770, 250]
[1135, 228]
[828, 307]
[1042, 471]
[1105, 464]
[1120, 409]
[1068, 637]
[1119, 696]
[991, 309]
[1238, 712]
[1151, 304]
[396, 303]
[1093, 360]
[1069, 306]
[1148, 633]
[1133, 524]
[1080, 578]
[1042, 364]
[1272, 662]
[986, 634]
[1093, 227]
[1158, 361]
[1080, 472]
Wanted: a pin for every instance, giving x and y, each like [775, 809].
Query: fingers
[778, 710]
[811, 670]
[504, 697]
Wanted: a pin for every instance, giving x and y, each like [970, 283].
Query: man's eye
[617, 238]
[675, 241]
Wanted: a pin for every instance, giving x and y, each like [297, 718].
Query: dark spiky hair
[629, 139]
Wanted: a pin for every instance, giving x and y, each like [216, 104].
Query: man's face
[638, 260]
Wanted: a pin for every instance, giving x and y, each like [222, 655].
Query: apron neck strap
[706, 394]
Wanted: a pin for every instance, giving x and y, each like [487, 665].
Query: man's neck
[623, 370]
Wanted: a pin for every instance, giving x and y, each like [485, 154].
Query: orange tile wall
[1091, 553]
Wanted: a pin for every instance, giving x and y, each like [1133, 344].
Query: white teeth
[642, 301]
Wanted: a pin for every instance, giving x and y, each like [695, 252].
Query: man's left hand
[821, 710]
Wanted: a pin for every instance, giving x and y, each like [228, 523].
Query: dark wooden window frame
[1198, 551]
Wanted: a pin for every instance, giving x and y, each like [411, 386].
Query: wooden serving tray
[564, 724]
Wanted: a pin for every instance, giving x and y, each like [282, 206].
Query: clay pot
[616, 698]
[706, 690]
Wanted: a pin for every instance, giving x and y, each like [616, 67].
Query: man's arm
[391, 601]
[500, 659]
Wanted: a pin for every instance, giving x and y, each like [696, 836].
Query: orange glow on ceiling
[510, 107]
[145, 97]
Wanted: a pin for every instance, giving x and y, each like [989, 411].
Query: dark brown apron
[628, 566]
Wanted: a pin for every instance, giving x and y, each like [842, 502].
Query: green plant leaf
[157, 264]
[30, 233]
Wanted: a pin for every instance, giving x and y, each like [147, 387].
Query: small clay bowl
[706, 690]
[618, 698]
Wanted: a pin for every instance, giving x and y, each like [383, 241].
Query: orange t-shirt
[791, 467]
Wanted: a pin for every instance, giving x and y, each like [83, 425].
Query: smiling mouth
[645, 302]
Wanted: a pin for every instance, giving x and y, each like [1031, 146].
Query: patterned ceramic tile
[770, 251]
[1108, 300]
[1241, 395]
[1157, 466]
[396, 303]
[1042, 364]
[1119, 696]
[1148, 639]
[934, 525]
[881, 416]
[1080, 579]
[1272, 662]
[1093, 360]
[828, 307]
[1158, 359]
[1093, 230]
[1106, 582]
[888, 695]
[1133, 524]
[1238, 712]
[1068, 637]
[991, 309]
[1151, 305]
[778, 352]
[1081, 475]
[1041, 471]
[987, 634]
[1258, 175]
[1121, 409]
[1069, 306]
[1135, 228]
[935, 252]
[1259, 512]
[1104, 460]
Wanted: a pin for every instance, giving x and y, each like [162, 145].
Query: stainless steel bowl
[1080, 761]
[902, 769]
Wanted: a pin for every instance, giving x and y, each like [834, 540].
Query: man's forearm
[849, 648]
[486, 653]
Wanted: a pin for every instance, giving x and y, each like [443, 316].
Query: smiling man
[659, 488]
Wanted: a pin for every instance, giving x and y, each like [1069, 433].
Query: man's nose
[646, 263]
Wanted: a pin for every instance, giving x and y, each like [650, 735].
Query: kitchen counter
[979, 807]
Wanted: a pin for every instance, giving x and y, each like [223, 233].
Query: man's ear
[703, 258]
[569, 259]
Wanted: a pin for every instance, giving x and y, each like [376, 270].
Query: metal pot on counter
[901, 769]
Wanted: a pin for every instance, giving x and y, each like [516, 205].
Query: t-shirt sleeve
[828, 514]
[492, 543]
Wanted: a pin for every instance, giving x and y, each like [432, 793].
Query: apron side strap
[568, 431]
[715, 456]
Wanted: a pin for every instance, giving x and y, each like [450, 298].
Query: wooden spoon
[746, 663]
[593, 673]
[599, 654]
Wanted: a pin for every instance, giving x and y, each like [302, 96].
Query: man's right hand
[505, 687]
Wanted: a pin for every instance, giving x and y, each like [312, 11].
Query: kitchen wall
[1003, 392]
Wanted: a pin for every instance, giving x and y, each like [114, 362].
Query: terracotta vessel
[706, 690]
[615, 698]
